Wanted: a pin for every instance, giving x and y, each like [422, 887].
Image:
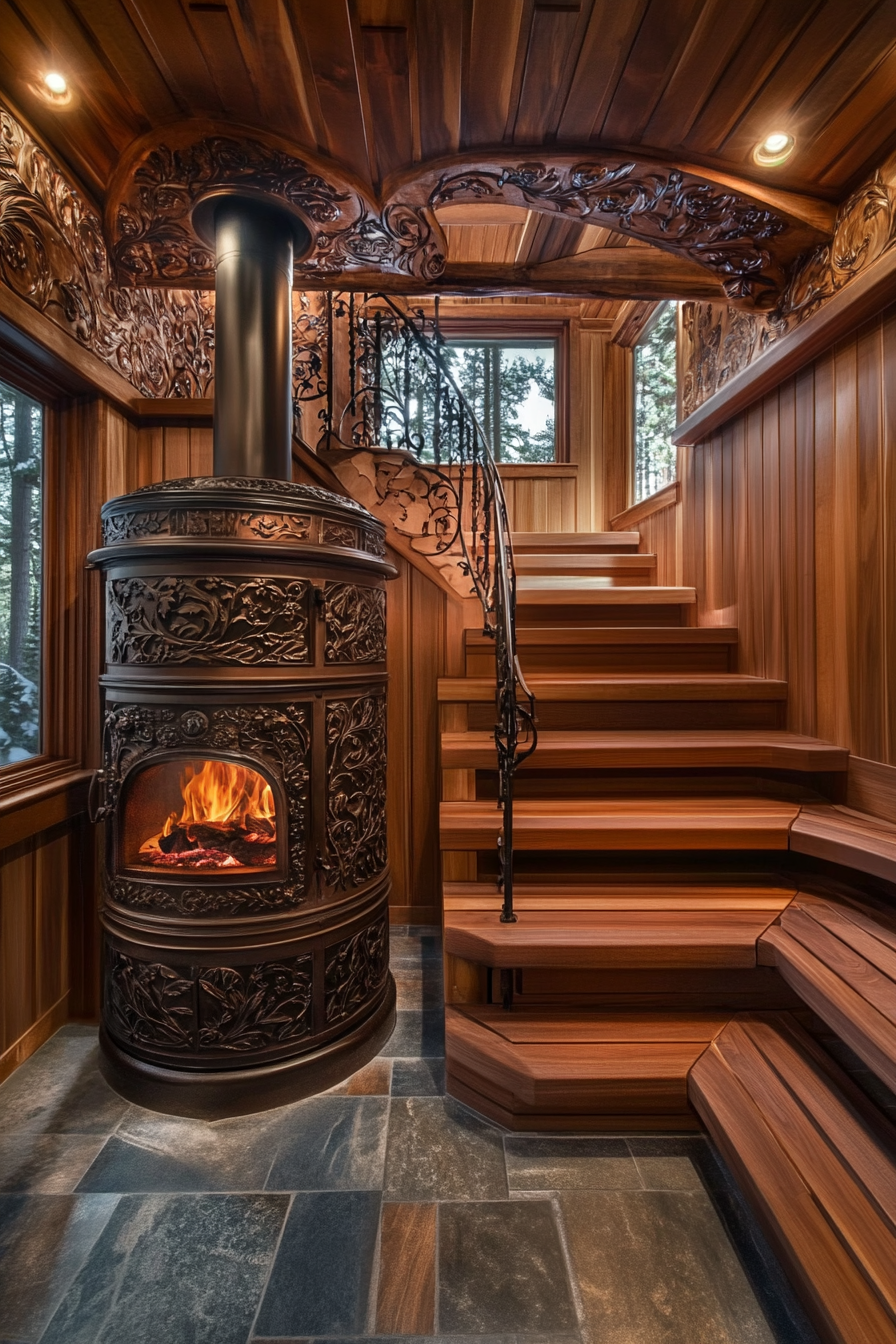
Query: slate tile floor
[380, 1210]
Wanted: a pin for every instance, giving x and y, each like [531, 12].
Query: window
[655, 404]
[512, 387]
[21, 452]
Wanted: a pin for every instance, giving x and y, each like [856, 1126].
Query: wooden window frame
[644, 331]
[497, 329]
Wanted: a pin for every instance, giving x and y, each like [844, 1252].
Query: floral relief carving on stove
[356, 791]
[149, 1003]
[135, 525]
[338, 534]
[280, 737]
[355, 969]
[208, 620]
[355, 619]
[255, 1008]
[209, 1009]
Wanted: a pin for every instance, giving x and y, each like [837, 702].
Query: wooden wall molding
[732, 357]
[628, 520]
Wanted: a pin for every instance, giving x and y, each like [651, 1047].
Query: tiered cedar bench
[818, 1163]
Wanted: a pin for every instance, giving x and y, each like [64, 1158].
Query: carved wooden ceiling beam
[742, 233]
[730, 239]
[164, 174]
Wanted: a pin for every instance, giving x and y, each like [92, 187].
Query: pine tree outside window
[655, 405]
[512, 386]
[21, 453]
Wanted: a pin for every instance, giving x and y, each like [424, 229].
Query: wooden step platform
[576, 1069]
[587, 590]
[633, 894]
[634, 939]
[666, 649]
[841, 960]
[818, 1163]
[588, 750]
[578, 543]
[691, 686]
[625, 824]
[842, 835]
[634, 568]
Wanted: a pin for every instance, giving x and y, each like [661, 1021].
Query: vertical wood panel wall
[789, 532]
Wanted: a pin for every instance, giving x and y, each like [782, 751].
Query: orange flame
[223, 793]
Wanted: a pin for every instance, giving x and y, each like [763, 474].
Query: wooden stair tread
[574, 897]
[633, 938]
[536, 1069]
[651, 823]
[843, 965]
[689, 686]
[618, 749]
[572, 563]
[816, 1161]
[844, 836]
[579, 590]
[578, 542]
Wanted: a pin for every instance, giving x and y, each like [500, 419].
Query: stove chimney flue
[254, 246]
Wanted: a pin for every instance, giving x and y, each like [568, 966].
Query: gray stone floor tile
[44, 1241]
[569, 1164]
[417, 990]
[669, 1163]
[501, 1267]
[418, 1078]
[60, 1090]
[156, 1153]
[440, 1150]
[333, 1143]
[46, 1164]
[320, 1282]
[657, 1267]
[416, 1034]
[183, 1269]
[413, 951]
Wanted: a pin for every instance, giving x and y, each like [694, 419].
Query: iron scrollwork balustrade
[400, 398]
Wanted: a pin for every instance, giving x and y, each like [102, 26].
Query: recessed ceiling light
[774, 149]
[56, 83]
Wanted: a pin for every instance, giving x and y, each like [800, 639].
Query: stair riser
[653, 715]
[639, 660]
[623, 613]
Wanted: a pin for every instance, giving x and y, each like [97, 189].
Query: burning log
[227, 821]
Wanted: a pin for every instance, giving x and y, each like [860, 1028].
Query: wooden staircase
[647, 829]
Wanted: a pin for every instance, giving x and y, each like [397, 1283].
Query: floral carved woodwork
[356, 791]
[208, 620]
[153, 241]
[721, 341]
[53, 255]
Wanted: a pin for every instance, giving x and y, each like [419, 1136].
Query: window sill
[39, 794]
[666, 498]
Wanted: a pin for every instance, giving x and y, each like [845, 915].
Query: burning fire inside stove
[228, 820]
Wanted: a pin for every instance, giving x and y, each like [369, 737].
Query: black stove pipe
[254, 245]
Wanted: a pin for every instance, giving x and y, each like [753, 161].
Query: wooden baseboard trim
[415, 914]
[34, 1037]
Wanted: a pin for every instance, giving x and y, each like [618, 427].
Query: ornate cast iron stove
[244, 775]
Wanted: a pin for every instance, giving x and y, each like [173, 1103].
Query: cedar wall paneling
[789, 532]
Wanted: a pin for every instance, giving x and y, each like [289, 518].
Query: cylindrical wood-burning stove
[245, 915]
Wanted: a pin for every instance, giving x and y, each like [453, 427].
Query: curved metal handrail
[470, 474]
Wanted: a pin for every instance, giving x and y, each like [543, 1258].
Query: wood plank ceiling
[381, 85]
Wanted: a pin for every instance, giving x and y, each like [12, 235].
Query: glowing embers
[224, 818]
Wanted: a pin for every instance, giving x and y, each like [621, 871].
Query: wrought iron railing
[383, 384]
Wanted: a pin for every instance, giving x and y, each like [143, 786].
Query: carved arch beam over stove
[734, 237]
[163, 176]
[741, 233]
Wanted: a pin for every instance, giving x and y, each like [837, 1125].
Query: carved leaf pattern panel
[256, 1008]
[135, 524]
[279, 736]
[208, 620]
[338, 534]
[148, 1003]
[356, 791]
[355, 618]
[354, 971]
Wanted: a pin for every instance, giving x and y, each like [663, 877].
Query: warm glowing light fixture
[774, 149]
[56, 83]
